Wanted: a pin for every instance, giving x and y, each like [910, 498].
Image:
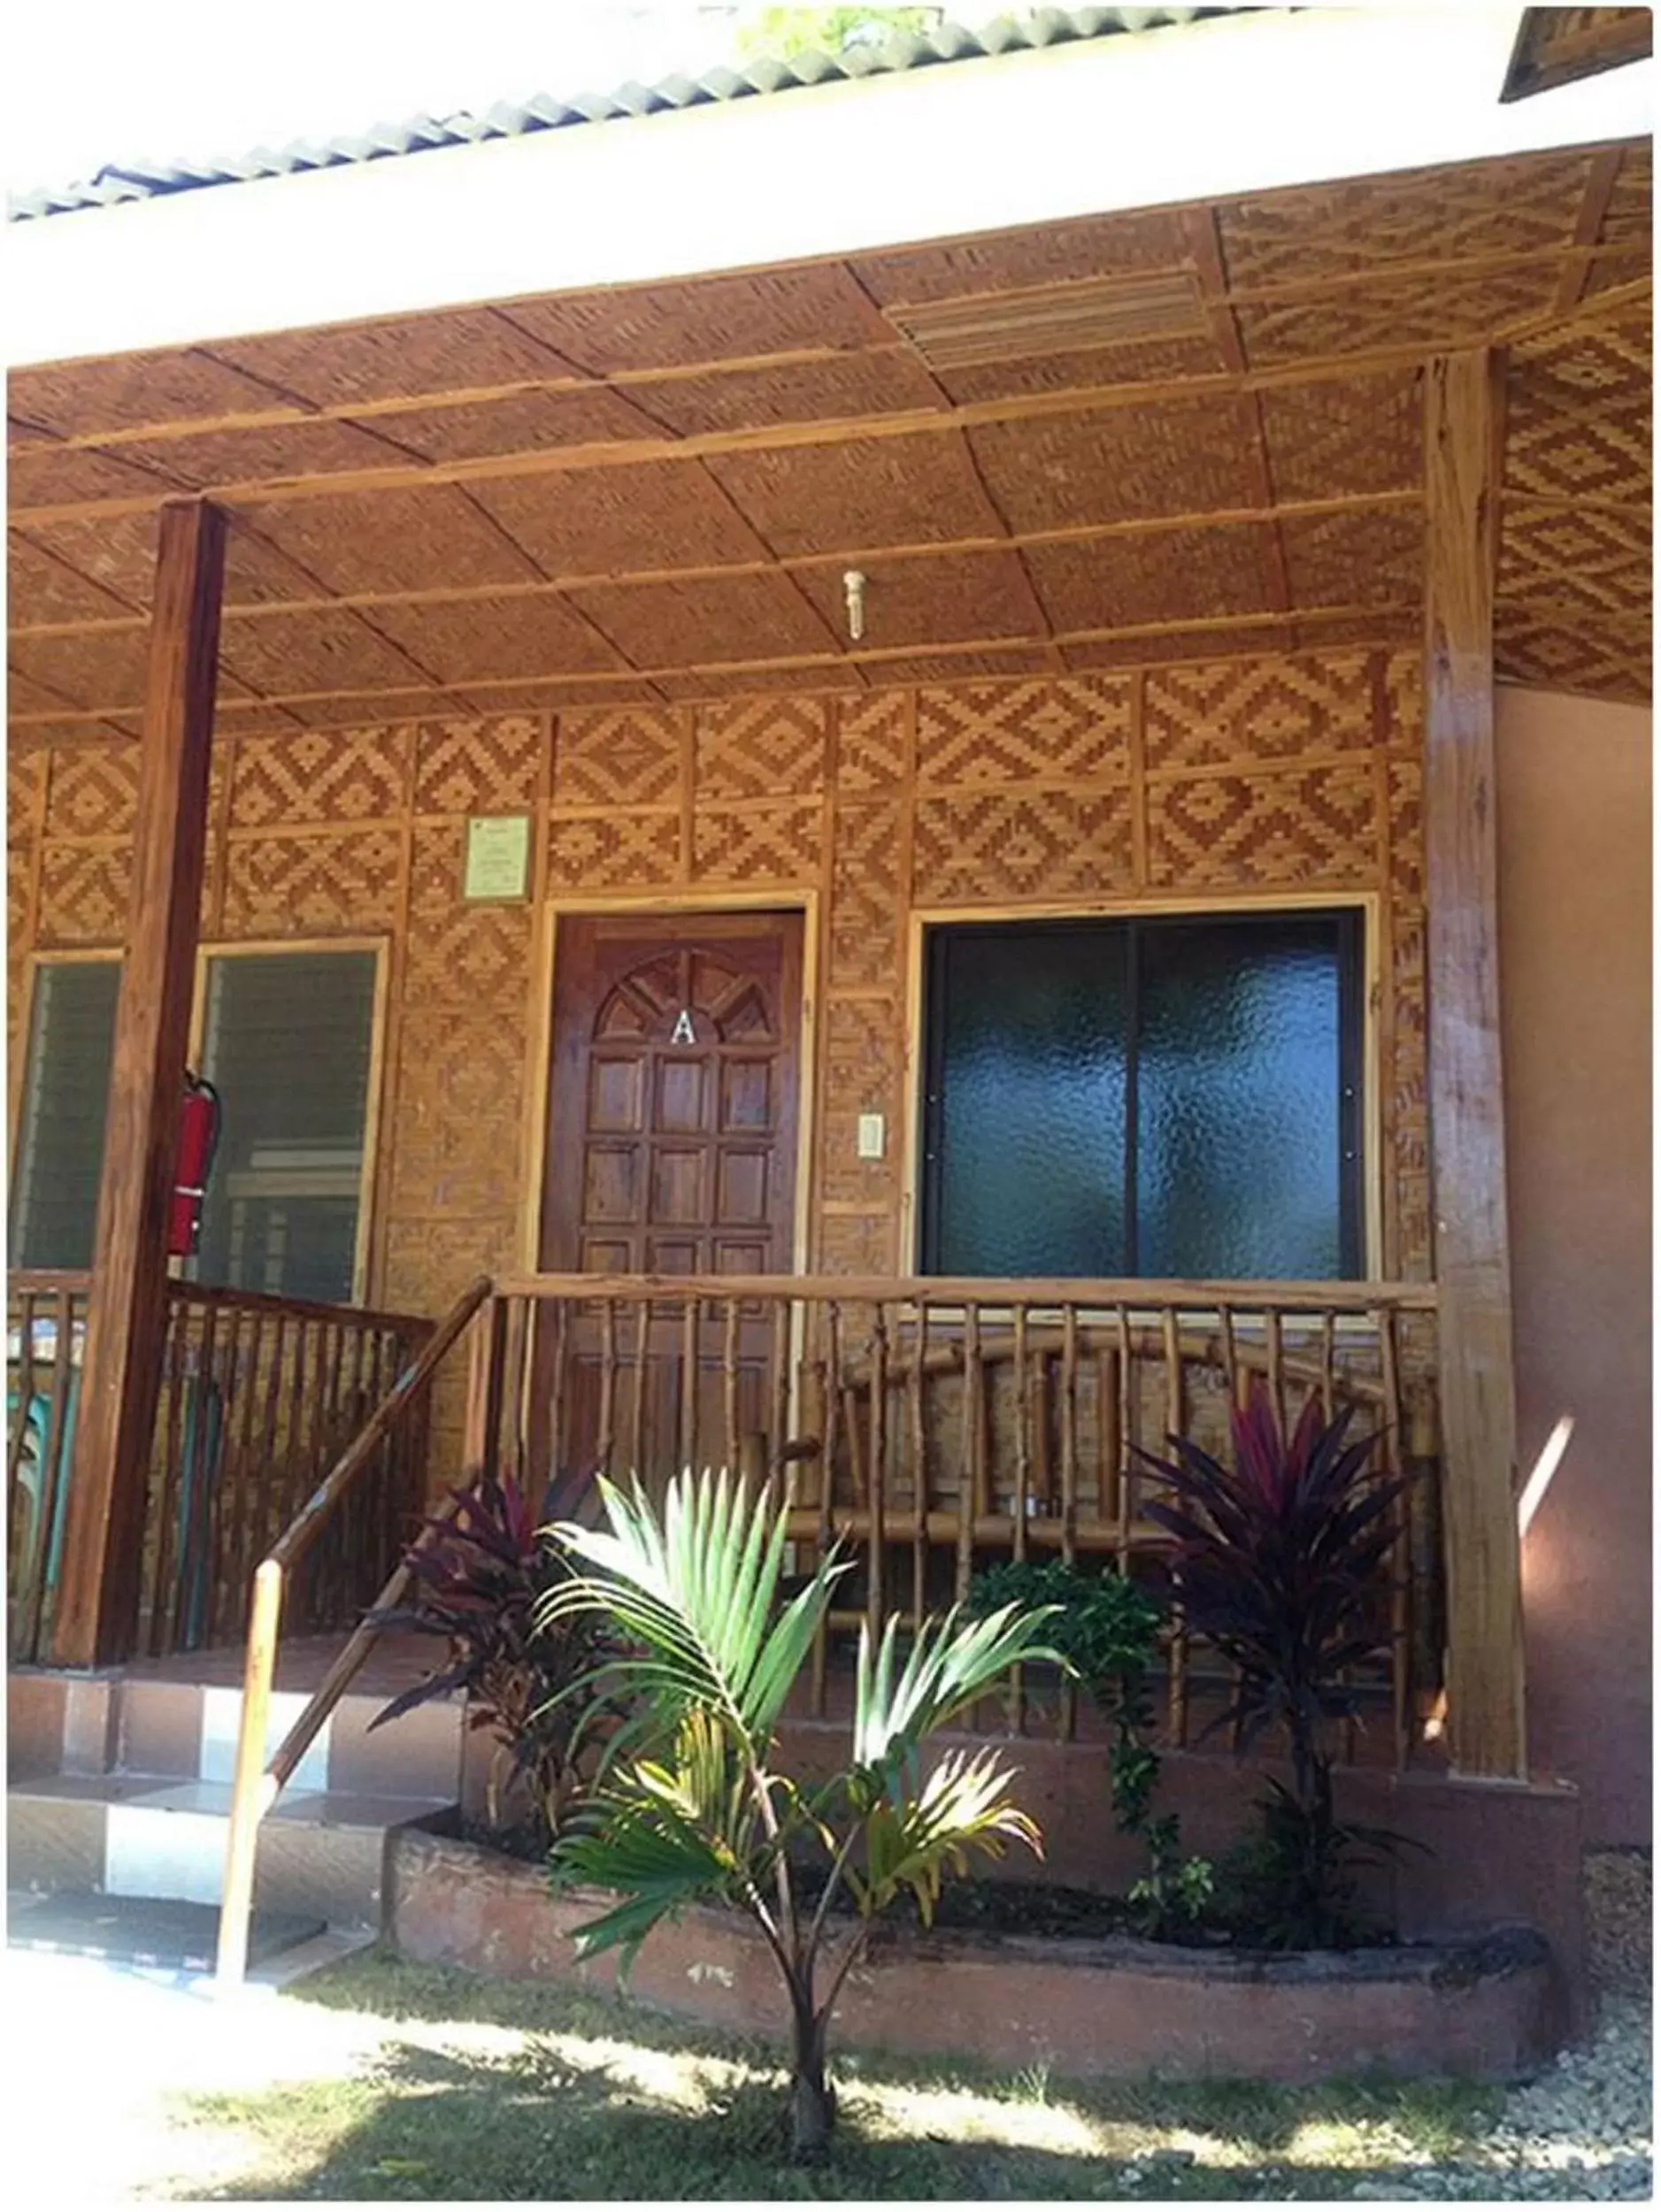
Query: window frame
[1366, 906]
[379, 945]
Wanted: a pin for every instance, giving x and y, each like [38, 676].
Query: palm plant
[692, 1803]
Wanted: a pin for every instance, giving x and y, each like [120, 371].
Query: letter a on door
[681, 1033]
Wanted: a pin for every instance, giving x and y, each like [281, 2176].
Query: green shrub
[1108, 1630]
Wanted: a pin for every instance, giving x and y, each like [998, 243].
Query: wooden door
[674, 1113]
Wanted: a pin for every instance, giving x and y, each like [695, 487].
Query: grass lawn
[490, 2090]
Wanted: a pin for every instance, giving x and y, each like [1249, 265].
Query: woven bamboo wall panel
[84, 894]
[336, 884]
[1227, 713]
[1319, 827]
[1066, 731]
[1292, 771]
[633, 851]
[753, 847]
[871, 751]
[480, 767]
[1578, 406]
[457, 1153]
[93, 794]
[981, 848]
[863, 1074]
[867, 901]
[340, 776]
[631, 756]
[761, 748]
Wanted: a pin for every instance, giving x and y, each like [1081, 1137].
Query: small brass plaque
[498, 856]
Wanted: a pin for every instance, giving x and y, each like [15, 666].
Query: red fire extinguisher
[193, 1163]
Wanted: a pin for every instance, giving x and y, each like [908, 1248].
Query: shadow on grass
[439, 2125]
[516, 2091]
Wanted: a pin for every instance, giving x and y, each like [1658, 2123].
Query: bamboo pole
[1175, 1425]
[831, 1387]
[251, 1794]
[729, 1387]
[608, 1387]
[637, 1392]
[917, 1415]
[876, 1574]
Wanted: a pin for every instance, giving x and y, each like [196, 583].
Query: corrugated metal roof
[951, 42]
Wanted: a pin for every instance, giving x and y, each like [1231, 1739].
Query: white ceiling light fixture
[854, 592]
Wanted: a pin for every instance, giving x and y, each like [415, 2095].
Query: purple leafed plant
[477, 1581]
[1276, 1564]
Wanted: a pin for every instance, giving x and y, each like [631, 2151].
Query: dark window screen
[1165, 1097]
[286, 1041]
[65, 1098]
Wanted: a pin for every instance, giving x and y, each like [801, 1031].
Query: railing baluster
[17, 1441]
[731, 1455]
[219, 1454]
[637, 1389]
[831, 1366]
[603, 1442]
[561, 1317]
[970, 1458]
[1273, 1354]
[1176, 1422]
[1231, 1356]
[877, 1549]
[37, 1554]
[1023, 1433]
[1127, 1394]
[687, 1434]
[245, 1386]
[916, 1383]
[1328, 1364]
[172, 1533]
[54, 1471]
[1069, 1480]
[780, 1471]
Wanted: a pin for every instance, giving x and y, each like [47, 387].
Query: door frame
[669, 906]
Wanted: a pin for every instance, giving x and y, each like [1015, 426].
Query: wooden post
[98, 1603]
[1462, 429]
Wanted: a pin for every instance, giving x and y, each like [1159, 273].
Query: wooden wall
[1289, 772]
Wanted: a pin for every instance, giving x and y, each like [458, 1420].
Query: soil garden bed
[1039, 1978]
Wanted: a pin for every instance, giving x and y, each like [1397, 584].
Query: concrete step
[115, 1723]
[322, 1851]
[153, 1932]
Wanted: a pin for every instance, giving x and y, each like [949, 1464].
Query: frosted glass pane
[1239, 1145]
[1028, 1112]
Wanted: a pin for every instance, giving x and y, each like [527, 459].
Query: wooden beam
[1464, 399]
[97, 1601]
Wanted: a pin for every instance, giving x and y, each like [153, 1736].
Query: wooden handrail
[255, 1783]
[1137, 1292]
[221, 1295]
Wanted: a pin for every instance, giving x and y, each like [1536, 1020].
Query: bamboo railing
[932, 1425]
[259, 1395]
[327, 1512]
[46, 1328]
[927, 1425]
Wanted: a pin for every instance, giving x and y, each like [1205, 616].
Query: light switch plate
[870, 1136]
